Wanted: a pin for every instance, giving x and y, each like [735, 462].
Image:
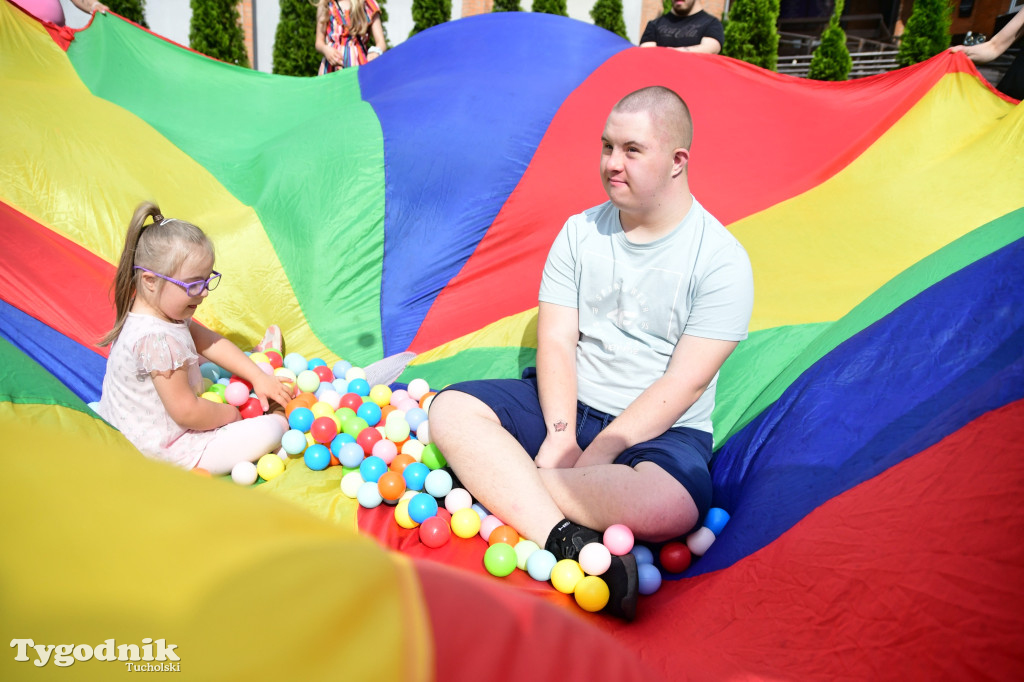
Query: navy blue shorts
[683, 452]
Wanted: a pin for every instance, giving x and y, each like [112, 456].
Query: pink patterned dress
[353, 48]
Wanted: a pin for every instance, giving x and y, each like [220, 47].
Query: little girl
[342, 30]
[152, 383]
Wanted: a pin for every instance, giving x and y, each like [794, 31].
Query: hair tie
[158, 219]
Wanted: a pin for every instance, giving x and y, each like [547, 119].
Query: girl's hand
[268, 387]
[334, 56]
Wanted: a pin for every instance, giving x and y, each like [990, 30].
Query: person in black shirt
[687, 28]
[1012, 83]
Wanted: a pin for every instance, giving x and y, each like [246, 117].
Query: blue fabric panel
[487, 117]
[77, 367]
[944, 358]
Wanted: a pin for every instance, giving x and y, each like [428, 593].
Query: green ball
[500, 559]
[354, 426]
[218, 389]
[432, 457]
[523, 550]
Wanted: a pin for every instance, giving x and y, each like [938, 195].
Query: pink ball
[385, 449]
[458, 498]
[236, 393]
[398, 396]
[488, 524]
[595, 558]
[618, 539]
[407, 404]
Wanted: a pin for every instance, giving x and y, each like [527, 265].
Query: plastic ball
[236, 394]
[397, 430]
[402, 517]
[539, 565]
[565, 575]
[423, 433]
[213, 397]
[350, 484]
[295, 363]
[274, 358]
[427, 398]
[244, 473]
[591, 593]
[317, 457]
[219, 390]
[391, 485]
[618, 539]
[434, 532]
[269, 466]
[649, 578]
[675, 557]
[340, 367]
[369, 411]
[323, 409]
[595, 558]
[415, 475]
[385, 449]
[524, 549]
[293, 441]
[465, 523]
[400, 462]
[352, 401]
[487, 525]
[369, 495]
[432, 457]
[398, 396]
[354, 426]
[330, 397]
[380, 394]
[500, 560]
[642, 554]
[317, 362]
[323, 372]
[716, 519]
[421, 507]
[301, 400]
[211, 371]
[458, 498]
[367, 438]
[438, 483]
[417, 388]
[288, 377]
[700, 540]
[251, 409]
[354, 373]
[480, 509]
[307, 381]
[301, 418]
[257, 357]
[350, 455]
[266, 368]
[324, 429]
[359, 386]
[505, 534]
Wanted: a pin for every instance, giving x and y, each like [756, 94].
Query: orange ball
[302, 400]
[506, 534]
[399, 463]
[201, 472]
[391, 485]
[384, 412]
[426, 396]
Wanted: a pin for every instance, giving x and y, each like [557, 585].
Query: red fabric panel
[485, 631]
[54, 280]
[760, 138]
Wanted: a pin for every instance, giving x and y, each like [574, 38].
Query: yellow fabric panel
[101, 543]
[80, 165]
[926, 182]
[515, 331]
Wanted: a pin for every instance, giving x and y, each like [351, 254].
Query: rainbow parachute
[869, 433]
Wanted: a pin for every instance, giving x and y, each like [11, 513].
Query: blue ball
[340, 386]
[294, 441]
[212, 371]
[415, 475]
[539, 565]
[359, 387]
[422, 506]
[372, 468]
[301, 419]
[480, 510]
[369, 495]
[317, 457]
[649, 578]
[295, 363]
[415, 417]
[315, 362]
[643, 554]
[340, 440]
[438, 483]
[350, 455]
[369, 411]
[341, 368]
[716, 520]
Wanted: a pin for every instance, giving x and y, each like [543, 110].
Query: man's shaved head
[667, 110]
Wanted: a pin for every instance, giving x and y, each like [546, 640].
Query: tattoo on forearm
[561, 425]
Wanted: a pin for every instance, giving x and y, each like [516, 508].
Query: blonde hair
[666, 108]
[360, 24]
[161, 246]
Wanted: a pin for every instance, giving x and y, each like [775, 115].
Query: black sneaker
[565, 542]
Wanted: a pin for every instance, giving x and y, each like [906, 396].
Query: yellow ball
[591, 593]
[213, 397]
[414, 449]
[402, 515]
[565, 575]
[269, 466]
[322, 409]
[465, 523]
[380, 394]
[259, 357]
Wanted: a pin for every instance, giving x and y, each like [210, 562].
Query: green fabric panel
[306, 153]
[23, 380]
[764, 366]
[505, 362]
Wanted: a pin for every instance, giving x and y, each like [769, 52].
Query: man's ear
[680, 159]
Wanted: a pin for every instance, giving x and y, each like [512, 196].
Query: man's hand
[558, 451]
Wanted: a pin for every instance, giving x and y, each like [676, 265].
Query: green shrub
[216, 31]
[751, 34]
[831, 60]
[608, 15]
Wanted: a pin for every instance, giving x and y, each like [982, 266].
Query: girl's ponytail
[123, 287]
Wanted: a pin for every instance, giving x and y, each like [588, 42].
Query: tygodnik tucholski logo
[151, 655]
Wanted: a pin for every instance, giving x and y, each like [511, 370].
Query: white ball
[369, 495]
[355, 373]
[595, 558]
[438, 483]
[418, 388]
[350, 483]
[244, 473]
[458, 498]
[699, 541]
[423, 433]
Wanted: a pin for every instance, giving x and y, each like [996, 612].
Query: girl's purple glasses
[191, 288]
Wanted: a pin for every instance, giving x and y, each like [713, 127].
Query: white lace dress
[130, 401]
